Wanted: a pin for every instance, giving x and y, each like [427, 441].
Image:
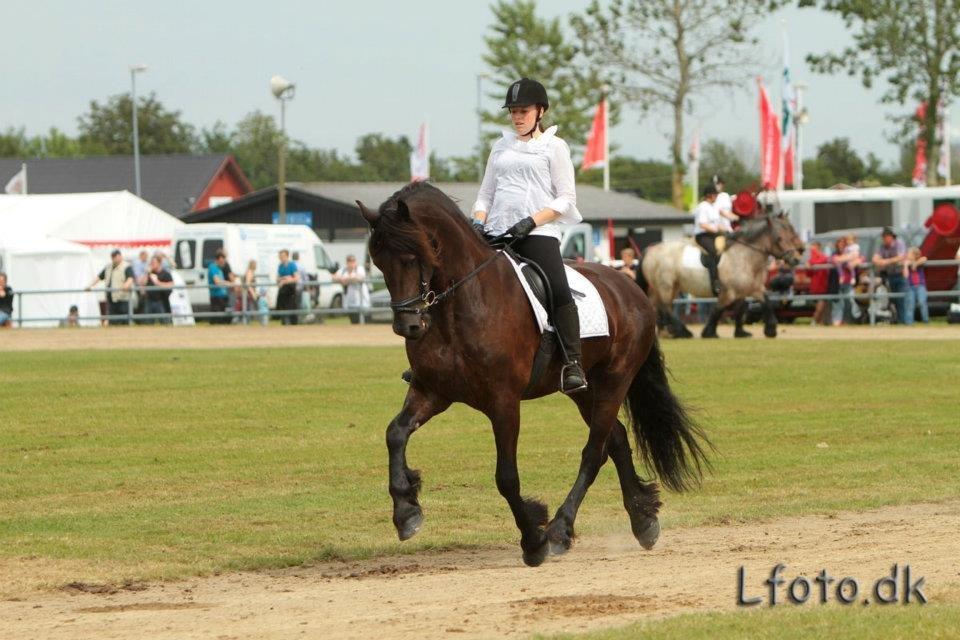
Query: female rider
[528, 191]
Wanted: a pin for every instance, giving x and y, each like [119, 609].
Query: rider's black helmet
[525, 92]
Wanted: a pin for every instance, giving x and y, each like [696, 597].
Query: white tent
[37, 263]
[101, 221]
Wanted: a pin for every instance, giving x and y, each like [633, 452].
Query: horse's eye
[407, 258]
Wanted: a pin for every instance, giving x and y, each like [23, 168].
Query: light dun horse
[742, 270]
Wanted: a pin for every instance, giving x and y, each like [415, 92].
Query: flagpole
[23, 167]
[606, 139]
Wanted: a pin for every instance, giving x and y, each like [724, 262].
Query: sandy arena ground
[601, 582]
[220, 337]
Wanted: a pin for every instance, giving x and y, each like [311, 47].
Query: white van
[195, 245]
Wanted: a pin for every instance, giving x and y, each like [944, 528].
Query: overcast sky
[360, 66]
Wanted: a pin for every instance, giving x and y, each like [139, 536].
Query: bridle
[790, 255]
[427, 298]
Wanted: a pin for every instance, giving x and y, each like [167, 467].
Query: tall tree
[914, 45]
[522, 44]
[256, 145]
[727, 161]
[384, 158]
[665, 52]
[108, 128]
[648, 179]
[842, 161]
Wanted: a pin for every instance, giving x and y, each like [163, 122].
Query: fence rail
[246, 314]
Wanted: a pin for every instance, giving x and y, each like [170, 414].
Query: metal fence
[246, 315]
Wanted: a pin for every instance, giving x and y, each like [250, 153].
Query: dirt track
[220, 337]
[602, 582]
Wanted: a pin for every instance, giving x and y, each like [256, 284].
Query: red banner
[596, 155]
[770, 152]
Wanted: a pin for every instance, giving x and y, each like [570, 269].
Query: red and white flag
[770, 149]
[18, 183]
[420, 157]
[595, 157]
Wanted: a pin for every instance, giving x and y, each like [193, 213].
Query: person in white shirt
[354, 278]
[528, 191]
[724, 206]
[707, 226]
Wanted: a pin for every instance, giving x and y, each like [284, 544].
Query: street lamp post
[134, 70]
[283, 90]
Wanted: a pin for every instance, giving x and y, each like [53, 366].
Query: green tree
[383, 158]
[522, 44]
[914, 45]
[256, 145]
[666, 52]
[108, 128]
[726, 161]
[817, 175]
[648, 179]
[216, 139]
[841, 161]
[14, 143]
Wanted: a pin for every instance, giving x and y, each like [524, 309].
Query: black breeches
[545, 251]
[708, 241]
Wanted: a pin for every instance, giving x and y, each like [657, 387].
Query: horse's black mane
[399, 234]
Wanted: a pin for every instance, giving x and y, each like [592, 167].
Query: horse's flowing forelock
[398, 234]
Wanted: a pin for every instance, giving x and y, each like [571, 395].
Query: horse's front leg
[769, 317]
[418, 407]
[740, 312]
[530, 515]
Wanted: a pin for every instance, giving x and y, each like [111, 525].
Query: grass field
[158, 464]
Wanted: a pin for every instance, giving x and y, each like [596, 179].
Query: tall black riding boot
[714, 276]
[567, 322]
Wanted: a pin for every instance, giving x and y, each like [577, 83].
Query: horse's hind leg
[600, 415]
[641, 500]
[530, 515]
[404, 481]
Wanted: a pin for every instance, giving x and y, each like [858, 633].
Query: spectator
[819, 282]
[118, 279]
[916, 286]
[73, 317]
[889, 257]
[629, 258]
[249, 289]
[287, 278]
[158, 300]
[354, 279]
[263, 307]
[230, 277]
[141, 266]
[6, 302]
[219, 296]
[846, 263]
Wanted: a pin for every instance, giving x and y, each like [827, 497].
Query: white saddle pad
[691, 257]
[593, 316]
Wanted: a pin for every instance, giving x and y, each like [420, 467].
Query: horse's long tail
[668, 440]
[641, 279]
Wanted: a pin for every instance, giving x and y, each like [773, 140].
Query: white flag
[420, 157]
[18, 183]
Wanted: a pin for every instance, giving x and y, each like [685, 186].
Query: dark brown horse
[471, 337]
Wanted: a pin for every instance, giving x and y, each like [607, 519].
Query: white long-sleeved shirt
[523, 178]
[705, 213]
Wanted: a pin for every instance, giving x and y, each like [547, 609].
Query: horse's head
[402, 250]
[785, 243]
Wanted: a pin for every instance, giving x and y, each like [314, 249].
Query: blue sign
[295, 217]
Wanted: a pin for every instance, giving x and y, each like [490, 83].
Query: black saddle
[537, 280]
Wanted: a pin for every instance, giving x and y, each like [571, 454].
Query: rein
[428, 298]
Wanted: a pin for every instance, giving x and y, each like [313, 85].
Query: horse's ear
[403, 210]
[372, 217]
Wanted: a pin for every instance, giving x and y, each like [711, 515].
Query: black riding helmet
[525, 92]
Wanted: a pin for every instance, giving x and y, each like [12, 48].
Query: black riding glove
[522, 229]
[478, 227]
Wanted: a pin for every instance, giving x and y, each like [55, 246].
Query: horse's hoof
[742, 334]
[536, 557]
[648, 537]
[560, 539]
[770, 333]
[712, 334]
[410, 526]
[683, 335]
